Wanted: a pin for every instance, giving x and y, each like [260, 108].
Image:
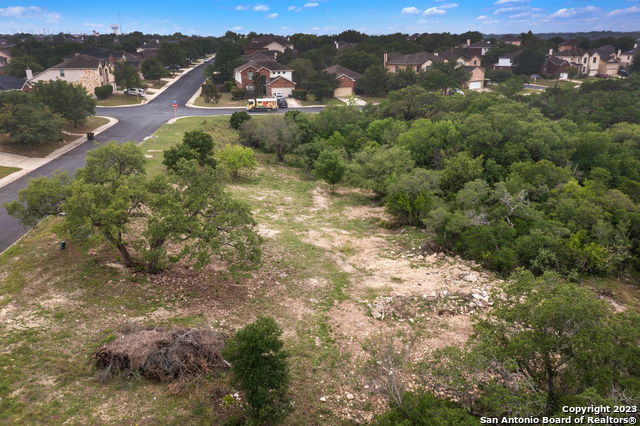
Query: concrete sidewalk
[28, 164]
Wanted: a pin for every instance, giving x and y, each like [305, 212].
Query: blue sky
[214, 17]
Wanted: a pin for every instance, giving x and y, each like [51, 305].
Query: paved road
[135, 124]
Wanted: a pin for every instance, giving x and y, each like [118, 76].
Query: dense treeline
[490, 178]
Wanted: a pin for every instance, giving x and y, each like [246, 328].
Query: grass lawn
[552, 83]
[37, 150]
[117, 99]
[154, 84]
[91, 124]
[6, 171]
[225, 101]
[326, 254]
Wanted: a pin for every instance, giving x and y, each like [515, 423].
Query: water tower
[115, 28]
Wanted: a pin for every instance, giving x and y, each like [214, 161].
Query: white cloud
[313, 4]
[482, 18]
[502, 10]
[628, 10]
[30, 12]
[260, 8]
[573, 11]
[92, 25]
[241, 7]
[434, 11]
[499, 2]
[448, 5]
[272, 16]
[236, 28]
[412, 10]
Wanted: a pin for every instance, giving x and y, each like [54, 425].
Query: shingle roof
[339, 70]
[98, 52]
[79, 61]
[576, 51]
[11, 83]
[511, 55]
[481, 43]
[268, 64]
[556, 61]
[452, 54]
[410, 59]
[508, 37]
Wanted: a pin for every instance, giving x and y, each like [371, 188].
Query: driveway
[134, 124]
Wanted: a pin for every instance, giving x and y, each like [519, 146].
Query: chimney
[550, 52]
[619, 52]
[468, 42]
[386, 58]
[29, 73]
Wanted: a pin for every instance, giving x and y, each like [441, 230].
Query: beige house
[627, 57]
[602, 60]
[5, 57]
[87, 71]
[394, 62]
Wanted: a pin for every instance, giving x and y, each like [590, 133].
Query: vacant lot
[327, 256]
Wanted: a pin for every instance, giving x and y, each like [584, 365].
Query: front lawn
[117, 100]
[6, 171]
[225, 101]
[90, 125]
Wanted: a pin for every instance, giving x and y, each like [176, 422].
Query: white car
[134, 91]
[278, 95]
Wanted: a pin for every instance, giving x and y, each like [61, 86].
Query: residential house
[602, 60]
[462, 57]
[10, 83]
[267, 43]
[509, 39]
[627, 57]
[149, 45]
[346, 80]
[88, 71]
[394, 62]
[555, 66]
[262, 54]
[479, 47]
[507, 61]
[279, 77]
[573, 55]
[568, 45]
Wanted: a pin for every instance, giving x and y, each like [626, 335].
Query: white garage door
[286, 91]
[475, 85]
[343, 92]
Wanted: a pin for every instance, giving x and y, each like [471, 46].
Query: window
[584, 61]
[250, 75]
[595, 59]
[61, 73]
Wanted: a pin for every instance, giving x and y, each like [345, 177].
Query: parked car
[278, 95]
[282, 103]
[624, 73]
[134, 91]
[602, 75]
[173, 67]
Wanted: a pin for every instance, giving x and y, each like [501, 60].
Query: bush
[259, 368]
[103, 92]
[423, 409]
[233, 158]
[238, 118]
[230, 85]
[196, 145]
[300, 94]
[330, 166]
[411, 197]
[237, 94]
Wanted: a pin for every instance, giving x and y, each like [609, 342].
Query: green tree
[444, 76]
[260, 369]
[152, 69]
[374, 81]
[529, 62]
[238, 118]
[330, 166]
[376, 168]
[71, 101]
[234, 158]
[126, 75]
[18, 65]
[459, 170]
[210, 91]
[278, 135]
[196, 145]
[322, 85]
[28, 121]
[187, 209]
[357, 60]
[303, 70]
[172, 53]
[510, 87]
[411, 196]
[635, 64]
[227, 58]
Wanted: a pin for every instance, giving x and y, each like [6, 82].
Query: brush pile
[161, 354]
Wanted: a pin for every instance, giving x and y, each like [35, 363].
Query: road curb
[57, 153]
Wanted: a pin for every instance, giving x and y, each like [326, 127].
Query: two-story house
[602, 60]
[278, 77]
[509, 39]
[267, 43]
[87, 71]
[626, 57]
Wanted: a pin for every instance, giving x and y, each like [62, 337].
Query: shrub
[238, 118]
[259, 368]
[196, 145]
[411, 197]
[330, 166]
[103, 92]
[423, 409]
[237, 94]
[234, 158]
[300, 94]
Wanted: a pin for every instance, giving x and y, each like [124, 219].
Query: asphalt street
[134, 124]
